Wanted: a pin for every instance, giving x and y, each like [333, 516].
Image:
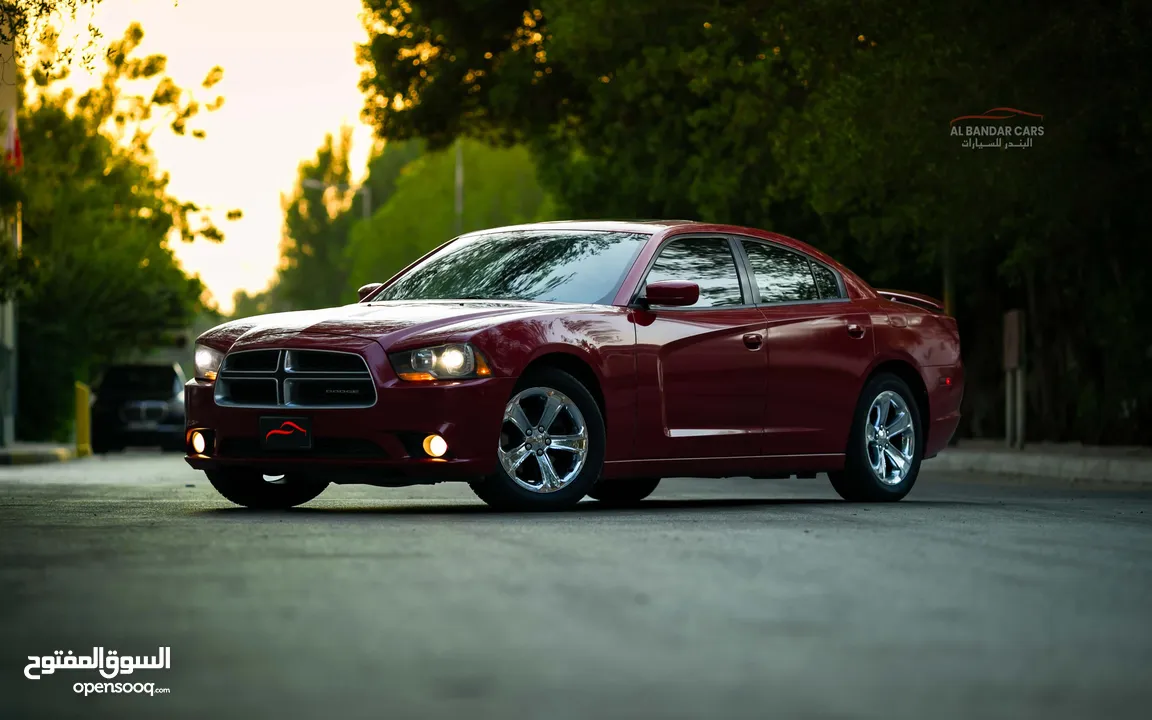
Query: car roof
[670, 227]
[646, 227]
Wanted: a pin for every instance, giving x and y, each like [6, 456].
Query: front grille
[333, 448]
[251, 361]
[308, 379]
[246, 391]
[330, 393]
[325, 362]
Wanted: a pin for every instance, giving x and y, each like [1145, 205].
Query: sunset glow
[290, 77]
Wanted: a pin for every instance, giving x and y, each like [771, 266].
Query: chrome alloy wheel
[543, 441]
[890, 438]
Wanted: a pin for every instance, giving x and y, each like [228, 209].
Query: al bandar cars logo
[286, 428]
[1007, 127]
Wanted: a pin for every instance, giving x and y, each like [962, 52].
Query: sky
[290, 77]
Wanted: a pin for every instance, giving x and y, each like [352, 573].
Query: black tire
[857, 482]
[623, 493]
[500, 491]
[250, 489]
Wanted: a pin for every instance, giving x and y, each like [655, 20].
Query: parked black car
[139, 405]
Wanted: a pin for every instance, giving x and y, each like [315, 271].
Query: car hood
[386, 322]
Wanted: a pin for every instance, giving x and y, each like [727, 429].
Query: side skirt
[757, 466]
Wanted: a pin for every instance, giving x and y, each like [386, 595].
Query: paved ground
[719, 599]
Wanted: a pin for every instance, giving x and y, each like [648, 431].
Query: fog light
[199, 444]
[435, 446]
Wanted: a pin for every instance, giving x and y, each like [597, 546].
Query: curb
[1063, 467]
[37, 456]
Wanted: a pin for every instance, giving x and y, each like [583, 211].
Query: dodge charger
[545, 363]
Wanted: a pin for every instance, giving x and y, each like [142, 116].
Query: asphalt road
[718, 599]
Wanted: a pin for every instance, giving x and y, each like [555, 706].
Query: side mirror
[367, 290]
[675, 293]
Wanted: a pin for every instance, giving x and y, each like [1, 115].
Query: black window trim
[747, 269]
[747, 289]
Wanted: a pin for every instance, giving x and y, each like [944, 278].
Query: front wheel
[259, 492]
[624, 493]
[885, 446]
[551, 447]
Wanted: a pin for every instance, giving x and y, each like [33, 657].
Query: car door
[819, 345]
[701, 370]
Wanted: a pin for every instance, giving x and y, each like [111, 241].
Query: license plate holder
[286, 433]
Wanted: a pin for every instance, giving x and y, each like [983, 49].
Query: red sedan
[545, 363]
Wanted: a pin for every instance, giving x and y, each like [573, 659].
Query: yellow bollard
[83, 420]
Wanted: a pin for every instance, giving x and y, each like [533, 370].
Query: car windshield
[139, 378]
[549, 266]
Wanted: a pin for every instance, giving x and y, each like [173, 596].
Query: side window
[708, 262]
[826, 281]
[781, 275]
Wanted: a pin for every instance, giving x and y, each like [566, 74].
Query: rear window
[826, 281]
[781, 275]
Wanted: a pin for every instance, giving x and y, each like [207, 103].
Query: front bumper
[376, 445]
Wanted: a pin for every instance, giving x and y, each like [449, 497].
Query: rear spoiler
[911, 298]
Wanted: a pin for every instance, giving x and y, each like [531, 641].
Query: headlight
[444, 362]
[207, 362]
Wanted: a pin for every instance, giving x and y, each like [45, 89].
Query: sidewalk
[34, 453]
[1050, 460]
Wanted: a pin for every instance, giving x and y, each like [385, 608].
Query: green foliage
[312, 271]
[329, 251]
[500, 188]
[98, 220]
[828, 120]
[386, 167]
[319, 216]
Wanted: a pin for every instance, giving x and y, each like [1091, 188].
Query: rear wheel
[551, 447]
[260, 492]
[885, 445]
[623, 493]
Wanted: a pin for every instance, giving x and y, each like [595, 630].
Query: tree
[24, 22]
[312, 270]
[98, 222]
[500, 189]
[386, 167]
[828, 120]
[245, 304]
[314, 267]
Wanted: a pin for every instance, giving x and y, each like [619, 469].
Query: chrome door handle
[855, 330]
